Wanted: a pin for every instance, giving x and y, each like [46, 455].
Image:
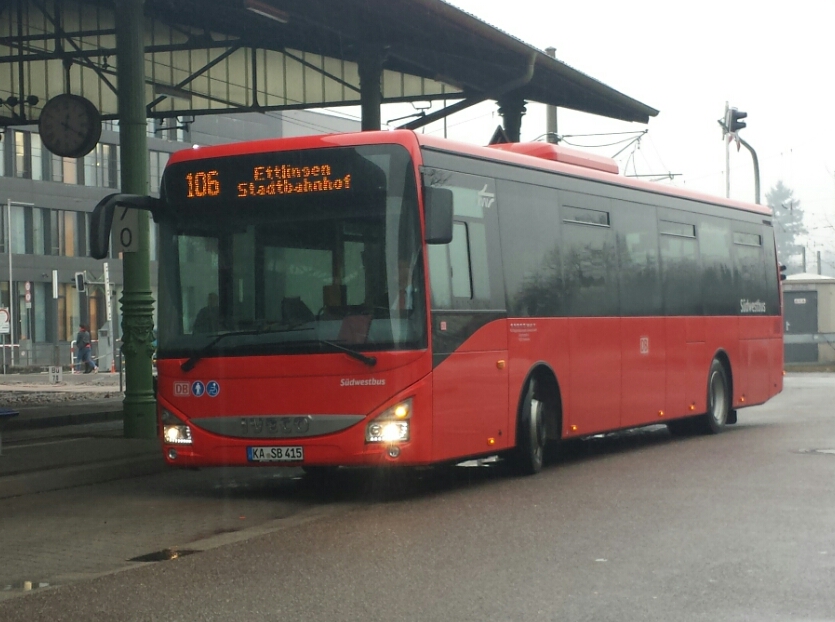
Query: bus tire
[718, 399]
[529, 454]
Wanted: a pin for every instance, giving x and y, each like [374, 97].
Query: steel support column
[512, 109]
[137, 301]
[370, 65]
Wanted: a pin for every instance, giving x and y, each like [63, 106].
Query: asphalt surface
[635, 526]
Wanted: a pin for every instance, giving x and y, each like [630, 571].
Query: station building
[809, 319]
[45, 214]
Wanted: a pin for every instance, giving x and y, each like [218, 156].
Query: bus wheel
[718, 399]
[530, 437]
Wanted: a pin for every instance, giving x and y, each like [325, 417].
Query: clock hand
[70, 128]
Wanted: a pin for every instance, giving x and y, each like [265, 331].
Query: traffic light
[79, 281]
[735, 122]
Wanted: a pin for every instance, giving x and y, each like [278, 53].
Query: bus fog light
[394, 451]
[174, 430]
[172, 454]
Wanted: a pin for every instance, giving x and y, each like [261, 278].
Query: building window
[157, 165]
[56, 168]
[68, 312]
[69, 238]
[107, 166]
[54, 232]
[91, 169]
[41, 296]
[18, 229]
[82, 246]
[37, 156]
[39, 231]
[21, 155]
[64, 170]
[100, 167]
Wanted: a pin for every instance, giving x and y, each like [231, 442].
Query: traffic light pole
[724, 125]
[731, 124]
[756, 169]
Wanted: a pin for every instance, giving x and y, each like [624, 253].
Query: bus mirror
[102, 220]
[438, 208]
[782, 272]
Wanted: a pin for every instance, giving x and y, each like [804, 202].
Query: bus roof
[576, 163]
[542, 156]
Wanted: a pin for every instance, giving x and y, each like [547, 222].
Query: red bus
[391, 298]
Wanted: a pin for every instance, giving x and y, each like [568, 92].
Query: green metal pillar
[137, 301]
[370, 66]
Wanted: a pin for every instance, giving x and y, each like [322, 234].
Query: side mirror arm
[102, 221]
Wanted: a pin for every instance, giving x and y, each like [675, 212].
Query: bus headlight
[174, 430]
[392, 425]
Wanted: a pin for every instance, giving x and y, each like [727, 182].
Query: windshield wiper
[202, 352]
[368, 360]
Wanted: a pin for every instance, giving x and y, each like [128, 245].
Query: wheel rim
[718, 398]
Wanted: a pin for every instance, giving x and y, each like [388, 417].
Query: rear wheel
[529, 453]
[718, 399]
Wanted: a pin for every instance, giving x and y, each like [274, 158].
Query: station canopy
[223, 56]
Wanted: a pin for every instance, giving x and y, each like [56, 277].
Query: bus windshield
[291, 253]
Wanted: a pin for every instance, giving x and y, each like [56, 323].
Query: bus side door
[469, 336]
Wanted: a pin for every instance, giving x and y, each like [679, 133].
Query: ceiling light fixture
[266, 10]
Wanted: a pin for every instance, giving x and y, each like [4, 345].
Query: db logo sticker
[197, 388]
[181, 389]
[212, 388]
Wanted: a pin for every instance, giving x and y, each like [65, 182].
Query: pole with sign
[5, 329]
[108, 305]
[11, 281]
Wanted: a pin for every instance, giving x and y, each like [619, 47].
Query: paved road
[639, 526]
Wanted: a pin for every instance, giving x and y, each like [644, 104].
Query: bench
[5, 415]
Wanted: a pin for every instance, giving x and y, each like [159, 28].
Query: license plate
[275, 454]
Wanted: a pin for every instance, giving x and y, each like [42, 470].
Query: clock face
[70, 126]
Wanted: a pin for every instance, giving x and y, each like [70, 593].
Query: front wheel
[529, 453]
[718, 399]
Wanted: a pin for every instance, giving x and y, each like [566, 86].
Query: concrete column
[137, 302]
[512, 109]
[551, 111]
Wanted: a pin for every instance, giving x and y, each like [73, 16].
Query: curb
[81, 475]
[57, 421]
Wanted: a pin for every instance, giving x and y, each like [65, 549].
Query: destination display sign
[256, 177]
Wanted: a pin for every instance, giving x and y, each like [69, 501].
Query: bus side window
[459, 255]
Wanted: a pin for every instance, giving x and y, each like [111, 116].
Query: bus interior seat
[294, 311]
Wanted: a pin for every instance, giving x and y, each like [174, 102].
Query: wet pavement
[66, 434]
[78, 500]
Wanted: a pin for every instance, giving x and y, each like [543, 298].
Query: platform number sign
[125, 227]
